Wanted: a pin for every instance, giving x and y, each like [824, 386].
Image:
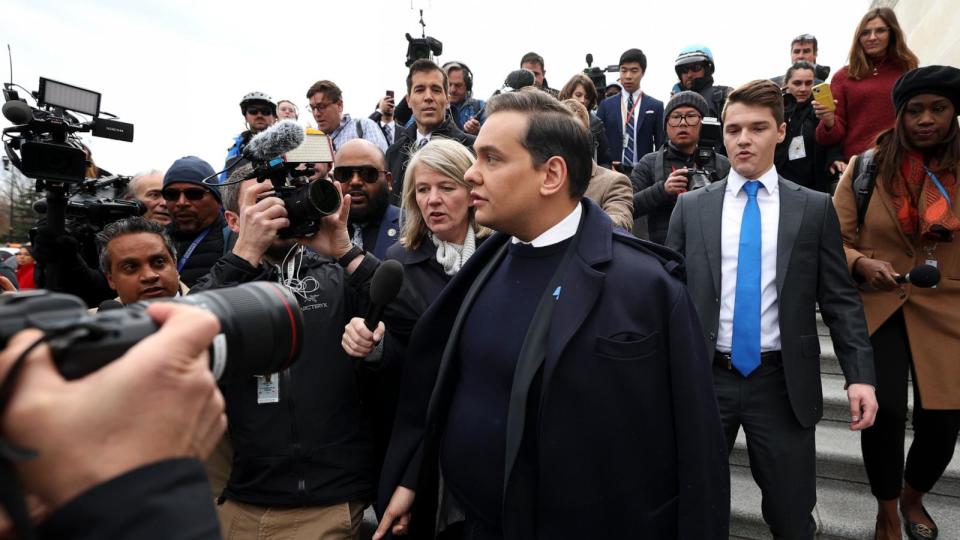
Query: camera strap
[193, 246]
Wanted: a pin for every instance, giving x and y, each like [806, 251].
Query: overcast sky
[177, 69]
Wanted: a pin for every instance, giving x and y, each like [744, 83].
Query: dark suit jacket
[628, 438]
[649, 120]
[811, 270]
[386, 238]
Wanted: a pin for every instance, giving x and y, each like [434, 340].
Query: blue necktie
[746, 309]
[628, 135]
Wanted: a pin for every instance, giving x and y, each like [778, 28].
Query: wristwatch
[349, 256]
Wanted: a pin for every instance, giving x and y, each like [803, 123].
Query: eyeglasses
[367, 173]
[882, 31]
[192, 194]
[320, 107]
[265, 111]
[690, 67]
[692, 119]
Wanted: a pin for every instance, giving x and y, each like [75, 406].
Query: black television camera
[704, 172]
[598, 75]
[423, 46]
[262, 328]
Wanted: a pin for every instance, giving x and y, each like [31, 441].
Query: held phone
[389, 93]
[823, 95]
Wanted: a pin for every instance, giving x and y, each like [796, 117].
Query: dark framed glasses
[366, 173]
[692, 119]
[265, 111]
[690, 67]
[192, 194]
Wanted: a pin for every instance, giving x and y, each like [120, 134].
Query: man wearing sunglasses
[660, 177]
[197, 229]
[695, 67]
[374, 224]
[260, 112]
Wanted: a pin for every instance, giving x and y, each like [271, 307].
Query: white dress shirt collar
[566, 228]
[769, 179]
[421, 136]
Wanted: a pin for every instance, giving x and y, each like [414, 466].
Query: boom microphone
[275, 141]
[384, 287]
[17, 112]
[924, 276]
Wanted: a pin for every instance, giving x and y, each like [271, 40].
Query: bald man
[146, 187]
[361, 168]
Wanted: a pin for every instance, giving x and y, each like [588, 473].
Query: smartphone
[823, 95]
[389, 93]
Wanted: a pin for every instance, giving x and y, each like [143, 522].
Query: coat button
[712, 336]
[716, 300]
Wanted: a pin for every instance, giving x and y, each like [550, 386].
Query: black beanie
[191, 170]
[939, 80]
[688, 99]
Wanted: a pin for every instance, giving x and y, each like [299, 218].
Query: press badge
[797, 150]
[268, 389]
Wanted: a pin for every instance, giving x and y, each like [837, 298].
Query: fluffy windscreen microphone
[924, 276]
[275, 141]
[384, 287]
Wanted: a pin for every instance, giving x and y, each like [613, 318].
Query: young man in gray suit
[761, 253]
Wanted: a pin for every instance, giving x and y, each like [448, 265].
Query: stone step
[839, 458]
[835, 406]
[845, 510]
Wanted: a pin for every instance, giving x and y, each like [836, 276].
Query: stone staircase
[845, 508]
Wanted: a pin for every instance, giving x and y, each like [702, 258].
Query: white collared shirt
[566, 228]
[734, 201]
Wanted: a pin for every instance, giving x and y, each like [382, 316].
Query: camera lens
[324, 196]
[261, 329]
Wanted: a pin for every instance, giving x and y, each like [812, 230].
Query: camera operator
[303, 451]
[139, 260]
[661, 176]
[198, 229]
[147, 187]
[116, 451]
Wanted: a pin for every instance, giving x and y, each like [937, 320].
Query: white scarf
[452, 256]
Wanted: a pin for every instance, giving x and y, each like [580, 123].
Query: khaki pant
[239, 521]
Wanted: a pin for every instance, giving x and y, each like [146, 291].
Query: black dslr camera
[703, 172]
[306, 202]
[262, 328]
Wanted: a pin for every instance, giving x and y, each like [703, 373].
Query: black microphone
[924, 276]
[589, 59]
[107, 305]
[384, 287]
[519, 78]
[275, 141]
[17, 112]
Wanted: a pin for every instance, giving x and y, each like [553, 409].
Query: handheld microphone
[924, 276]
[274, 141]
[384, 287]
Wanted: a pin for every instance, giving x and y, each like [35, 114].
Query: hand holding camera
[676, 183]
[261, 218]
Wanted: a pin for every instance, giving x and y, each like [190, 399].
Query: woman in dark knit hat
[911, 219]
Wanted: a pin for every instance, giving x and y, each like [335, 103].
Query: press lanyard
[631, 112]
[189, 251]
[938, 184]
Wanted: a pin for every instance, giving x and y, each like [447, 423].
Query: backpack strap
[359, 128]
[658, 173]
[864, 180]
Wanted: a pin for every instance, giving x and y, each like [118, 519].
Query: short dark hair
[762, 93]
[634, 55]
[802, 64]
[425, 66]
[132, 225]
[552, 130]
[533, 58]
[330, 91]
[230, 191]
[805, 38]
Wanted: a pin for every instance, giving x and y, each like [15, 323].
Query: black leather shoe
[919, 531]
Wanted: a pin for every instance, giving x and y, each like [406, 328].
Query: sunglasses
[265, 111]
[367, 173]
[192, 194]
[690, 67]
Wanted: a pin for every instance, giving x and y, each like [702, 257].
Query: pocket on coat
[628, 346]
